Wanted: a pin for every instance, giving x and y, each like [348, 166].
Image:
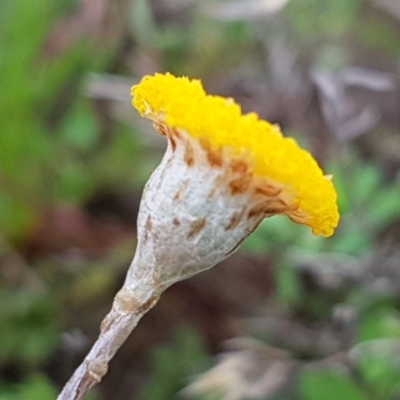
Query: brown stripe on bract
[175, 132]
[148, 226]
[189, 154]
[161, 128]
[271, 206]
[239, 166]
[298, 216]
[171, 133]
[240, 184]
[214, 191]
[277, 206]
[173, 143]
[196, 226]
[214, 158]
[177, 195]
[268, 190]
[258, 209]
[234, 221]
[181, 190]
[297, 219]
[176, 222]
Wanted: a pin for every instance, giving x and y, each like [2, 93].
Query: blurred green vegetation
[69, 157]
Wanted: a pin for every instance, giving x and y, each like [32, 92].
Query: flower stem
[125, 314]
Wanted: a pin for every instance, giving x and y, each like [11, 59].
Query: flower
[221, 175]
[289, 176]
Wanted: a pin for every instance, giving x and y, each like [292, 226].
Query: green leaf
[340, 183]
[379, 323]
[15, 216]
[37, 387]
[367, 182]
[74, 183]
[27, 326]
[174, 363]
[143, 24]
[378, 363]
[376, 34]
[80, 128]
[353, 241]
[385, 207]
[328, 384]
[314, 18]
[288, 287]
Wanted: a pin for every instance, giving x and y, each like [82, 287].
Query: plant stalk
[125, 314]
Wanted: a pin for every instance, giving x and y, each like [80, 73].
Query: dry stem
[125, 314]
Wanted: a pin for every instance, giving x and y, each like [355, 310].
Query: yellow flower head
[274, 166]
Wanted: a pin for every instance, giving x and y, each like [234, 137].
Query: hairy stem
[125, 314]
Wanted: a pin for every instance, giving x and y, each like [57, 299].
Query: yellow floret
[183, 104]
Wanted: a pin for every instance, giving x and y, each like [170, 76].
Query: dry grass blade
[249, 371]
[245, 9]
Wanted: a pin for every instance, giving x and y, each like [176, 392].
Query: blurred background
[290, 316]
